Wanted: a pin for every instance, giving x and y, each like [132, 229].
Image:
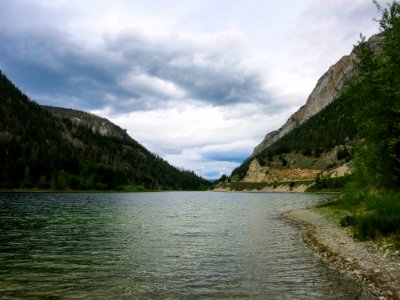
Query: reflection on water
[160, 245]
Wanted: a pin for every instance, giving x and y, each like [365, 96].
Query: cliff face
[95, 123]
[324, 93]
[257, 173]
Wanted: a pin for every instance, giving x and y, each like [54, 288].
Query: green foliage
[43, 147]
[351, 200]
[241, 171]
[131, 188]
[335, 184]
[378, 214]
[377, 88]
[344, 154]
[373, 197]
[334, 125]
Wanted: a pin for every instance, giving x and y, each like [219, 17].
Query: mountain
[316, 141]
[95, 123]
[324, 93]
[47, 147]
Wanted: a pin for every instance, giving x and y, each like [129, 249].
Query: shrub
[330, 184]
[378, 214]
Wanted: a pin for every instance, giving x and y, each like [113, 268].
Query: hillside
[324, 93]
[316, 141]
[47, 147]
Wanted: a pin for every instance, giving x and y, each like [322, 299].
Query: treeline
[40, 150]
[376, 91]
[373, 195]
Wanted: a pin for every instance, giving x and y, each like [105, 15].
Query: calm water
[160, 245]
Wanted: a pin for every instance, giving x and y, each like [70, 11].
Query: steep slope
[317, 140]
[325, 91]
[95, 123]
[47, 147]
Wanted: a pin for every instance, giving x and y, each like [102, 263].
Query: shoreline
[376, 268]
[281, 188]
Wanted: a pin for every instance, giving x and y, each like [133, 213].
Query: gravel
[377, 267]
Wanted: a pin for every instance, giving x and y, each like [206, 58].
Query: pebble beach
[376, 266]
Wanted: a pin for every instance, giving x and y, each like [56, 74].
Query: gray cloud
[214, 76]
[128, 72]
[43, 62]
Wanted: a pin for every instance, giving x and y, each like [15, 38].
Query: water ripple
[161, 246]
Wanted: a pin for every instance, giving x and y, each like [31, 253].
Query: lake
[167, 245]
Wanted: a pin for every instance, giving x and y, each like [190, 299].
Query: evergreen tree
[376, 89]
[42, 147]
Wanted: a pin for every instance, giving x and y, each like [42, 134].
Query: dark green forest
[376, 91]
[43, 148]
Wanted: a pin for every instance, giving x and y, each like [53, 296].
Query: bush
[379, 215]
[347, 221]
[330, 184]
[374, 226]
[351, 199]
[343, 153]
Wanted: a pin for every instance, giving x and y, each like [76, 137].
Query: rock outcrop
[95, 123]
[258, 173]
[324, 93]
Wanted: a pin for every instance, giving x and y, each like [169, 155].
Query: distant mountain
[316, 141]
[47, 147]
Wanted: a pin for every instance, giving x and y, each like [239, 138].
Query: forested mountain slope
[45, 147]
[318, 140]
[325, 92]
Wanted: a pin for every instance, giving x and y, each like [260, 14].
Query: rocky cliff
[324, 93]
[95, 123]
[257, 173]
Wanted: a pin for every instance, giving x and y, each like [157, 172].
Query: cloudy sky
[198, 82]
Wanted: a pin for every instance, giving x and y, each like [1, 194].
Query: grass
[335, 184]
[373, 215]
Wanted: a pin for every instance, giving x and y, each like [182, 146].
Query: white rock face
[324, 93]
[95, 123]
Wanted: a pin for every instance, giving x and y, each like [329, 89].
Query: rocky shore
[376, 266]
[281, 188]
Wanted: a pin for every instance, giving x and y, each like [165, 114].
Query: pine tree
[376, 90]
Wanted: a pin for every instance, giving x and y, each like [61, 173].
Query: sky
[197, 82]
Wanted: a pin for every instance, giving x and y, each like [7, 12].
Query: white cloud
[198, 136]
